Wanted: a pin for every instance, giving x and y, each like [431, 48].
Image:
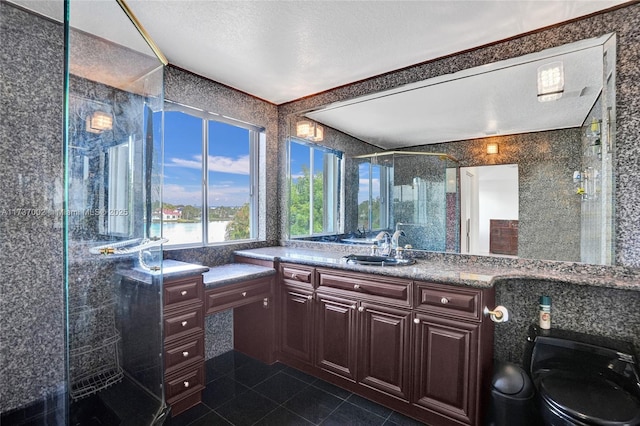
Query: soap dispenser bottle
[545, 312]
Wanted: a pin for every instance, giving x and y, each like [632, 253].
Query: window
[373, 195]
[209, 161]
[314, 189]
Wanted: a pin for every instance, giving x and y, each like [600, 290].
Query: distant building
[171, 215]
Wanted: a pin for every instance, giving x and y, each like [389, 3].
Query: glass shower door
[113, 158]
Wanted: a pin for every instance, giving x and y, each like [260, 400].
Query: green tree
[300, 200]
[238, 227]
[191, 214]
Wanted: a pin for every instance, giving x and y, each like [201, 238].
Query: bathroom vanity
[421, 348]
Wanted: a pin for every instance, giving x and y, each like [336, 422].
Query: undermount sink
[378, 260]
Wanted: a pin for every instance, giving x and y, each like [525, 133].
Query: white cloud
[238, 166]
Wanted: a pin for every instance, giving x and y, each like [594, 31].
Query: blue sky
[228, 162]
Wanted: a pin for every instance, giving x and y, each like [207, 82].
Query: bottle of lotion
[545, 312]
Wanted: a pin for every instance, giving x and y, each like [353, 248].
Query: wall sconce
[99, 121]
[492, 148]
[550, 81]
[307, 129]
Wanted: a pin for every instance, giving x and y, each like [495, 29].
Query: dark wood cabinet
[384, 353]
[297, 323]
[336, 335]
[183, 325]
[446, 366]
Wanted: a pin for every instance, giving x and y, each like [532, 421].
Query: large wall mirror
[547, 118]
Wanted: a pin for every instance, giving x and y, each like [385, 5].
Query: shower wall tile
[32, 354]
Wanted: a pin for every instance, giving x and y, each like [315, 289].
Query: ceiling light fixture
[307, 129]
[550, 81]
[99, 121]
[492, 148]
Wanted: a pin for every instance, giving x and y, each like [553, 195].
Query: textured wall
[32, 347]
[593, 310]
[625, 22]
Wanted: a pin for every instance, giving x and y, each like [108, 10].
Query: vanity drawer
[184, 383]
[382, 287]
[179, 324]
[181, 354]
[296, 273]
[449, 300]
[183, 292]
[236, 295]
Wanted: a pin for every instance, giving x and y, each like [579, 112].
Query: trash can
[512, 398]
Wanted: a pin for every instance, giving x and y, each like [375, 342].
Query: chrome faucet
[383, 239]
[396, 237]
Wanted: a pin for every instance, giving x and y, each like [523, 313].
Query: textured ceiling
[284, 50]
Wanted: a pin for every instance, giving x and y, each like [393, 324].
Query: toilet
[582, 379]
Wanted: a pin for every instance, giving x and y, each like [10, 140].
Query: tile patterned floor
[242, 391]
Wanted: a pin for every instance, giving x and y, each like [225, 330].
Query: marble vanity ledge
[466, 270]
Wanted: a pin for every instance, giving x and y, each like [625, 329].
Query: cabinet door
[336, 335]
[384, 355]
[297, 322]
[445, 366]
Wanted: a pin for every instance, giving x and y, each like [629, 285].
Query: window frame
[255, 138]
[337, 169]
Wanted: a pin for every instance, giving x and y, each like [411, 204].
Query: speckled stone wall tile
[587, 309]
[218, 333]
[32, 361]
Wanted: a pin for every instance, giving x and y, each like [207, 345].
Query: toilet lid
[590, 398]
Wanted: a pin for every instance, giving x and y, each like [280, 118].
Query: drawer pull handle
[356, 286]
[184, 323]
[183, 292]
[416, 320]
[361, 309]
[186, 384]
[244, 294]
[444, 300]
[185, 354]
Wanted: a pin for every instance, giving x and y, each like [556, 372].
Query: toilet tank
[615, 360]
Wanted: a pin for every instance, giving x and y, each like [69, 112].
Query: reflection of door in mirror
[117, 209]
[489, 209]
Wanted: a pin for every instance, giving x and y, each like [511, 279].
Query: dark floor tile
[349, 414]
[210, 372]
[368, 405]
[401, 420]
[280, 387]
[211, 419]
[281, 417]
[246, 409]
[252, 373]
[307, 378]
[128, 400]
[188, 416]
[229, 361]
[221, 391]
[313, 404]
[332, 389]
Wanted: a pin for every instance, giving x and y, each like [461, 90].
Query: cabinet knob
[444, 300]
[361, 309]
[356, 286]
[353, 306]
[183, 292]
[185, 354]
[184, 323]
[294, 276]
[186, 384]
[416, 320]
[309, 297]
[265, 302]
[244, 294]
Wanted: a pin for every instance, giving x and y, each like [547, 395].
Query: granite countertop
[171, 269]
[232, 273]
[461, 269]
